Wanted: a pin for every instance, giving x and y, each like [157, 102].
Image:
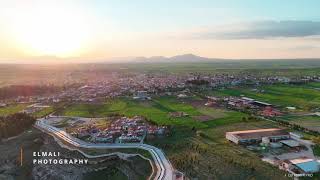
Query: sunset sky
[86, 30]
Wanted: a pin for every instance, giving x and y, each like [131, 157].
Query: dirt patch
[203, 118]
[196, 103]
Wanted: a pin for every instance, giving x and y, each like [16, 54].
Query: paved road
[165, 170]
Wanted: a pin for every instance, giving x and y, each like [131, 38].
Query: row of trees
[296, 127]
[15, 124]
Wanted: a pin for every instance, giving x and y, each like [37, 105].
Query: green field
[206, 154]
[15, 108]
[200, 152]
[156, 111]
[11, 109]
[43, 112]
[316, 150]
[308, 121]
[304, 97]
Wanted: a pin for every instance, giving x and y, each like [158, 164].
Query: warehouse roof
[258, 133]
[307, 165]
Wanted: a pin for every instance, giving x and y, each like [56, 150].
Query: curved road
[165, 170]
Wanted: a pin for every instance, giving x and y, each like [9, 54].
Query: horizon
[141, 59]
[40, 32]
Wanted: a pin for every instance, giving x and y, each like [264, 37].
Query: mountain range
[175, 59]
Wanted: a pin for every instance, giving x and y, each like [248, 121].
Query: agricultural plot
[158, 111]
[198, 148]
[43, 112]
[11, 109]
[304, 97]
[206, 154]
[308, 121]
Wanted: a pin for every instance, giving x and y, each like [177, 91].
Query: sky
[81, 30]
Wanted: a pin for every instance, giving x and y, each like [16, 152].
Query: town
[117, 130]
[139, 108]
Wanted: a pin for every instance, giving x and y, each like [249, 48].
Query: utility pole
[21, 156]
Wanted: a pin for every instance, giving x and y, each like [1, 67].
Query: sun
[49, 30]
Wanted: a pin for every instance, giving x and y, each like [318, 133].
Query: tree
[15, 124]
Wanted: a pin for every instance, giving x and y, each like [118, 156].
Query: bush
[15, 124]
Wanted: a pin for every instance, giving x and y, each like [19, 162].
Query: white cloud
[262, 30]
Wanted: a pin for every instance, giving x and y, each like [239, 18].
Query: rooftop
[263, 103]
[258, 133]
[290, 143]
[307, 165]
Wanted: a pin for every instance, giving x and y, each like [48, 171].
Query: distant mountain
[174, 59]
[190, 58]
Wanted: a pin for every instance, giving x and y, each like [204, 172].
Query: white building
[255, 136]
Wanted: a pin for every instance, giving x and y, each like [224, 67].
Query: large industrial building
[255, 136]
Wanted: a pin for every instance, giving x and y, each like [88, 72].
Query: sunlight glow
[49, 30]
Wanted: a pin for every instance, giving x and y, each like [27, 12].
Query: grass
[300, 117]
[302, 96]
[11, 109]
[156, 111]
[316, 150]
[206, 154]
[43, 112]
[232, 117]
[102, 123]
[197, 148]
[213, 112]
[308, 121]
[63, 123]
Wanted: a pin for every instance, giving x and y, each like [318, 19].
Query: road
[165, 170]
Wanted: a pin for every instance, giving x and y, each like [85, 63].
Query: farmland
[195, 143]
[205, 153]
[11, 109]
[308, 121]
[304, 97]
[196, 147]
[156, 111]
[43, 112]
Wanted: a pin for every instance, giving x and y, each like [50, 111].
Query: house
[141, 95]
[210, 103]
[129, 138]
[103, 139]
[296, 135]
[255, 136]
[182, 96]
[178, 114]
[291, 108]
[261, 104]
[3, 105]
[248, 100]
[83, 134]
[270, 112]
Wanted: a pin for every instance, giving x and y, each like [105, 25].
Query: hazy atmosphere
[159, 89]
[88, 31]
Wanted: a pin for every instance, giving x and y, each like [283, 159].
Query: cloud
[304, 48]
[262, 30]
